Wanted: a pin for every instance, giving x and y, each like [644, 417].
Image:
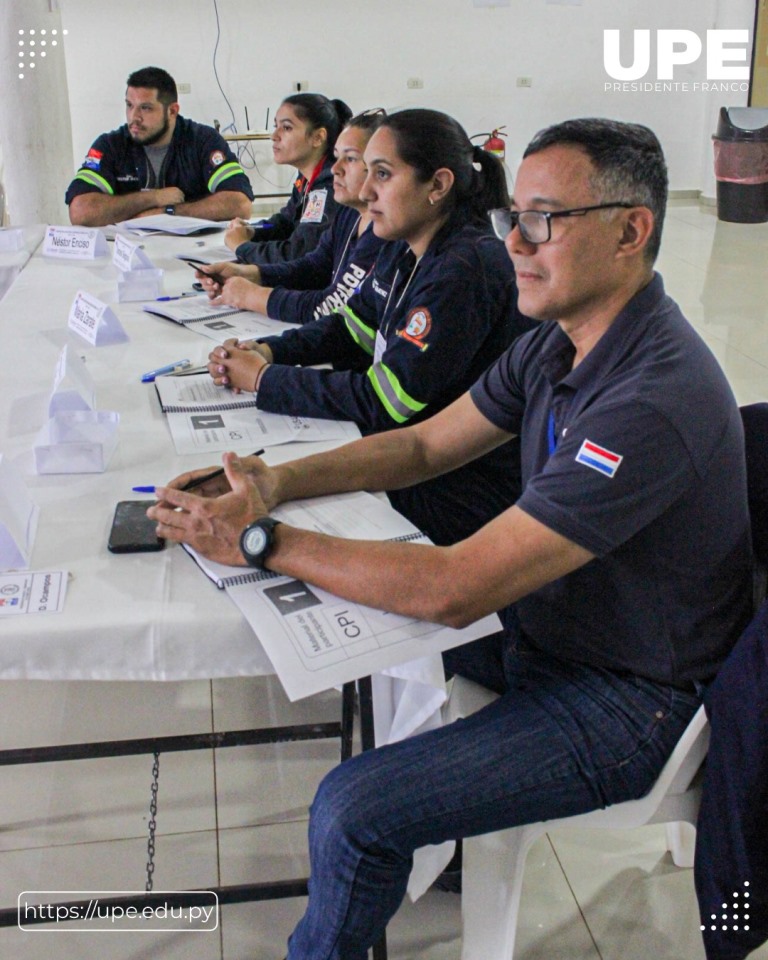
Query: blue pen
[168, 368]
[196, 481]
[180, 297]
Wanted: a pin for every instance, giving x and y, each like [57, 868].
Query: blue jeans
[562, 739]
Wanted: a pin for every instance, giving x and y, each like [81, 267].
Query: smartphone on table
[132, 530]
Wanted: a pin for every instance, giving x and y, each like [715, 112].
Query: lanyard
[551, 434]
[383, 326]
[315, 174]
[342, 259]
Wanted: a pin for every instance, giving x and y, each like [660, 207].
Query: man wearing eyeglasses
[627, 556]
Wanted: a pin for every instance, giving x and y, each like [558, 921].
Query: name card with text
[128, 255]
[95, 321]
[74, 243]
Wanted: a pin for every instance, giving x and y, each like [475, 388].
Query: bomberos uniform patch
[417, 327]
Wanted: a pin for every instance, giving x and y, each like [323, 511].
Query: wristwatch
[257, 541]
[171, 209]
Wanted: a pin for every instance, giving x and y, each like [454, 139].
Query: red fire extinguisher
[494, 144]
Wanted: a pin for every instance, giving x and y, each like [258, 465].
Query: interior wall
[35, 126]
[469, 59]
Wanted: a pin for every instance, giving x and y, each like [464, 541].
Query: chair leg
[492, 880]
[681, 842]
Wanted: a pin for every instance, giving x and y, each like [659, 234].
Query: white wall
[35, 127]
[469, 59]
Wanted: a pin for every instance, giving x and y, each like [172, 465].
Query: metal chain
[152, 823]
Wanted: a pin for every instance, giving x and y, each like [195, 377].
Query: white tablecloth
[149, 616]
[146, 616]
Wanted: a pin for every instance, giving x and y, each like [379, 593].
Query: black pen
[196, 481]
[199, 481]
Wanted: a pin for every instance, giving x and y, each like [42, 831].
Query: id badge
[379, 347]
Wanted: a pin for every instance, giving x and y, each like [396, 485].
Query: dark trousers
[731, 867]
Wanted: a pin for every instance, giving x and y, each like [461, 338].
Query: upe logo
[678, 48]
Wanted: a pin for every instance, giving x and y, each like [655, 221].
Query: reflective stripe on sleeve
[396, 401]
[222, 173]
[364, 336]
[88, 176]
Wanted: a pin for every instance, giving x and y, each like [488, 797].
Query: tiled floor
[240, 816]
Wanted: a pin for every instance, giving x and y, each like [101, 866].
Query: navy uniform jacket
[440, 323]
[297, 228]
[323, 280]
[198, 162]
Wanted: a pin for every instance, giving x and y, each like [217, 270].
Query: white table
[149, 616]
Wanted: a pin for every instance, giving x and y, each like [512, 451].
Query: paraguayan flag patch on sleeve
[598, 458]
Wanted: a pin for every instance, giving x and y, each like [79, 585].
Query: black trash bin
[741, 164]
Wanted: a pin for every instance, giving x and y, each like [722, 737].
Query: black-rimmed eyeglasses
[536, 225]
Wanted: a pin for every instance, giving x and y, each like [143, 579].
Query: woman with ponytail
[306, 128]
[312, 286]
[439, 307]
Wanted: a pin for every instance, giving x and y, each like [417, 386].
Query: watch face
[255, 540]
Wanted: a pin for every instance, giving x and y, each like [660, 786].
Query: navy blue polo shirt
[642, 463]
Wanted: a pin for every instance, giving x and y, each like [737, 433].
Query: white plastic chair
[493, 864]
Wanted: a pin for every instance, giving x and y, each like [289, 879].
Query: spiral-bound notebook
[217, 323]
[197, 393]
[357, 516]
[316, 640]
[189, 310]
[205, 418]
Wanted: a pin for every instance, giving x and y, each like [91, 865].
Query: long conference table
[142, 616]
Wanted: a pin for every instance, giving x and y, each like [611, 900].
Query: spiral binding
[210, 316]
[256, 576]
[208, 407]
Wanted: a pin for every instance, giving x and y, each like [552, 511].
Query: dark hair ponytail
[318, 111]
[428, 140]
[493, 180]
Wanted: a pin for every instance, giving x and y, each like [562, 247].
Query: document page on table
[169, 223]
[249, 429]
[317, 641]
[244, 325]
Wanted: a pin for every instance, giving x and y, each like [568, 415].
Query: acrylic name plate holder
[77, 438]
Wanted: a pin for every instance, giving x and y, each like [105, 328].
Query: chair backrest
[686, 758]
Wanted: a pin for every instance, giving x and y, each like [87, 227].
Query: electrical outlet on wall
[525, 81]
[414, 83]
[184, 87]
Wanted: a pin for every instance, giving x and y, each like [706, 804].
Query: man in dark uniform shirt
[157, 162]
[627, 555]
